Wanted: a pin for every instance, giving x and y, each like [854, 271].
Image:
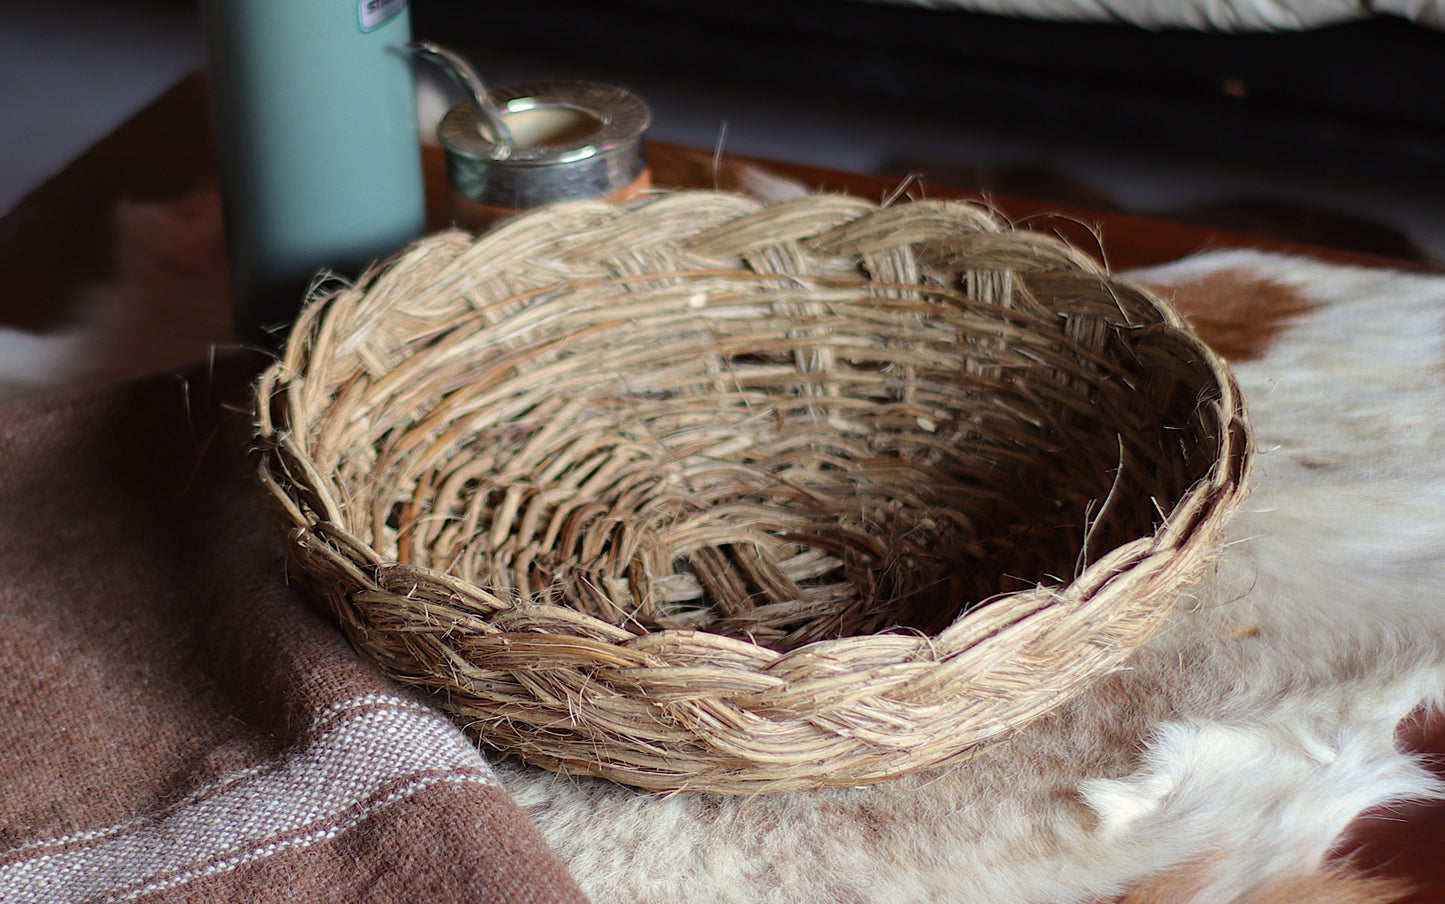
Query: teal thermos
[314, 110]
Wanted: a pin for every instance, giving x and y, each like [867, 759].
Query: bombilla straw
[476, 90]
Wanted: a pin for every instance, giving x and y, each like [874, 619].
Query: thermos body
[314, 109]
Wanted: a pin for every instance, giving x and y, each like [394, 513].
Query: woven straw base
[711, 495]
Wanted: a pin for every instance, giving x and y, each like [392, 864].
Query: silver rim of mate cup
[598, 150]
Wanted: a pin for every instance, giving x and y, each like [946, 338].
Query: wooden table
[59, 240]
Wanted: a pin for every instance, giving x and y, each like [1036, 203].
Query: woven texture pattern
[706, 494]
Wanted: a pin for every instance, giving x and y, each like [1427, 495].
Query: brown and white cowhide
[1221, 766]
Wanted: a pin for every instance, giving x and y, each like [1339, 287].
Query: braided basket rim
[690, 710]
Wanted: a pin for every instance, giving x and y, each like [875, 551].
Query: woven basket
[704, 494]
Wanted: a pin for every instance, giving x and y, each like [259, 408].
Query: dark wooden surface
[1121, 240]
[58, 239]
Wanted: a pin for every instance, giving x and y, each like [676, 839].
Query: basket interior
[690, 443]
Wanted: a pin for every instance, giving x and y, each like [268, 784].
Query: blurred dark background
[1334, 135]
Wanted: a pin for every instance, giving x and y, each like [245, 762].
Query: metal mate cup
[560, 140]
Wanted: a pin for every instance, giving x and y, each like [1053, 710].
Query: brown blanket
[178, 724]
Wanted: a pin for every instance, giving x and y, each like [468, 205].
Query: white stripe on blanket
[361, 756]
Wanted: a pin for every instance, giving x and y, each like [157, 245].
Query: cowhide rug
[1220, 766]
